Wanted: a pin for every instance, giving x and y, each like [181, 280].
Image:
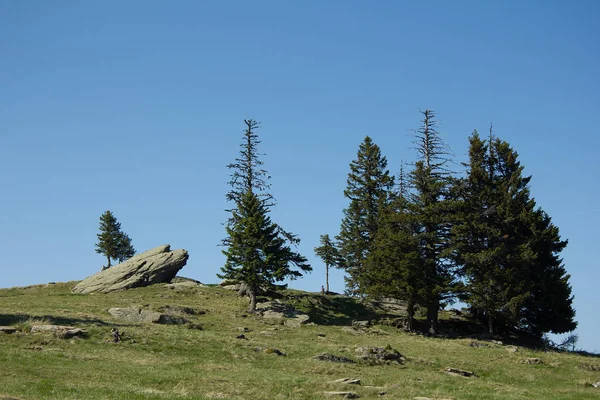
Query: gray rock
[596, 384]
[135, 315]
[460, 372]
[379, 355]
[65, 332]
[532, 361]
[332, 358]
[479, 344]
[348, 381]
[361, 324]
[512, 349]
[344, 395]
[8, 329]
[159, 265]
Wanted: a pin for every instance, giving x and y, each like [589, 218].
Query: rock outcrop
[159, 265]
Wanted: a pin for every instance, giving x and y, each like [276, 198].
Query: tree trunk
[410, 310]
[432, 316]
[326, 278]
[490, 324]
[252, 295]
[108, 265]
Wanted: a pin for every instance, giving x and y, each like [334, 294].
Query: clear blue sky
[137, 106]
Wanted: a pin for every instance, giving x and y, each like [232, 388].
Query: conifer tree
[433, 208]
[368, 187]
[329, 253]
[112, 242]
[508, 248]
[395, 266]
[257, 254]
[258, 251]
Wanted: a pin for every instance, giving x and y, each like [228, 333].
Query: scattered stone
[181, 310]
[349, 381]
[332, 358]
[460, 372]
[321, 335]
[8, 329]
[596, 384]
[65, 332]
[532, 361]
[361, 324]
[499, 343]
[479, 344]
[275, 312]
[134, 315]
[512, 349]
[590, 367]
[429, 398]
[345, 395]
[379, 355]
[228, 282]
[272, 350]
[244, 329]
[138, 315]
[159, 265]
[241, 336]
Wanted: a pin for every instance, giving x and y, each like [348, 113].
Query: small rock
[345, 395]
[244, 329]
[596, 384]
[460, 372]
[8, 329]
[49, 328]
[332, 358]
[349, 381]
[272, 350]
[532, 361]
[379, 355]
[479, 344]
[512, 349]
[134, 314]
[361, 324]
[241, 336]
[321, 335]
[497, 342]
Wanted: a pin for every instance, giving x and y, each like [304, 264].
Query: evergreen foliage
[368, 189]
[395, 266]
[112, 242]
[329, 253]
[258, 250]
[432, 209]
[258, 255]
[507, 248]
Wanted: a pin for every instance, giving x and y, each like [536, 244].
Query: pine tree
[258, 251]
[329, 253]
[368, 187]
[112, 242]
[433, 208]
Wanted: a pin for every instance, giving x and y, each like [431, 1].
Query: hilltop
[216, 350]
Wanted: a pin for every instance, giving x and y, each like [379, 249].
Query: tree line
[427, 236]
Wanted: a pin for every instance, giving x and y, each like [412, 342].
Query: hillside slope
[205, 359]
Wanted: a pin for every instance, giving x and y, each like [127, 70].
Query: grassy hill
[204, 359]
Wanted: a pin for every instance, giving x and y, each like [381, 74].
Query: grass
[174, 361]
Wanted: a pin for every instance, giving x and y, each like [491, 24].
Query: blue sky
[136, 107]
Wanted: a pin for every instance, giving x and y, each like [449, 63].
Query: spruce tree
[368, 187]
[395, 266]
[508, 248]
[258, 251]
[432, 211]
[112, 242]
[257, 254]
[329, 253]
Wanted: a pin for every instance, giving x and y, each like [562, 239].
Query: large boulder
[159, 265]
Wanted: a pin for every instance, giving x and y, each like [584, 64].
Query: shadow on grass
[332, 310]
[12, 319]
